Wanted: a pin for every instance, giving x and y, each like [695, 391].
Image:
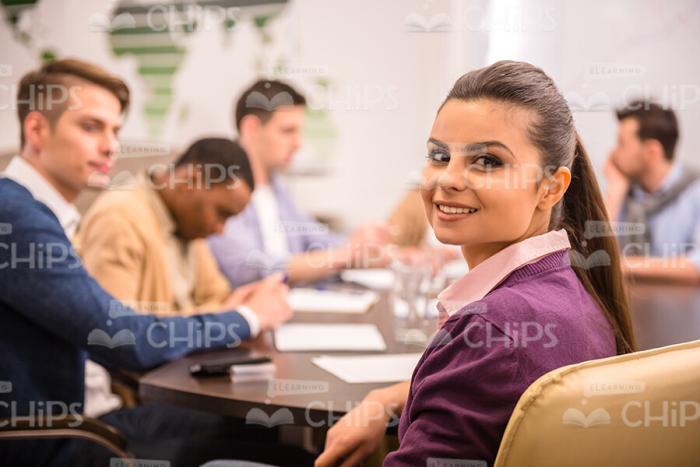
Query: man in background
[144, 242]
[272, 233]
[655, 198]
[53, 314]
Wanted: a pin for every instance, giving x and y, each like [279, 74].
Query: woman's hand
[358, 433]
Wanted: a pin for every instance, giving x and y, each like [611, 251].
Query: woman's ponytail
[582, 212]
[586, 220]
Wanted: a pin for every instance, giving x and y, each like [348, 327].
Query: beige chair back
[640, 409]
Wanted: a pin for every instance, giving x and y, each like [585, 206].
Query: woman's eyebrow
[481, 146]
[439, 143]
[473, 147]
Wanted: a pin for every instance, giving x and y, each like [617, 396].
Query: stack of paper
[376, 279]
[331, 301]
[370, 368]
[299, 337]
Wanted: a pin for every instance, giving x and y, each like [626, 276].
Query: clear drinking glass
[409, 298]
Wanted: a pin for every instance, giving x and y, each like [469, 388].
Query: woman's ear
[554, 187]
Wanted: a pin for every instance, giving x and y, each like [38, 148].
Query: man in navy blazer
[53, 315]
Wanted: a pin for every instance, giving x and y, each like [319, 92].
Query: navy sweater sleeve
[42, 279]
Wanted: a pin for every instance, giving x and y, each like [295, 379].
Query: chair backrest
[66, 426]
[640, 409]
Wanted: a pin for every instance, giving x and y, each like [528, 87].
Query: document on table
[376, 279]
[388, 368]
[302, 337]
[332, 301]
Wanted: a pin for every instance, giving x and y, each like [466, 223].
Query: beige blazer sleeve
[211, 287]
[112, 253]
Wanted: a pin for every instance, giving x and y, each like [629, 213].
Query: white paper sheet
[376, 279]
[388, 368]
[331, 301]
[300, 337]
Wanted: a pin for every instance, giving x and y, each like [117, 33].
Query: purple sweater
[470, 377]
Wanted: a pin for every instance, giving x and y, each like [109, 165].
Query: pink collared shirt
[488, 274]
[470, 377]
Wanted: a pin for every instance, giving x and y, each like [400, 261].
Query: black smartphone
[223, 367]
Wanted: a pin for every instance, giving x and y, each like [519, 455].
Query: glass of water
[409, 297]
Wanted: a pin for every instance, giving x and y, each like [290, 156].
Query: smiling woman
[507, 179]
[506, 176]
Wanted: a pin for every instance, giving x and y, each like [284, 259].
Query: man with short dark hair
[655, 199]
[144, 242]
[53, 314]
[273, 234]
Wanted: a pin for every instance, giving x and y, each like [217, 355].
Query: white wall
[398, 79]
[604, 53]
[385, 84]
[386, 79]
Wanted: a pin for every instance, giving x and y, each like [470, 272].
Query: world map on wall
[150, 33]
[155, 36]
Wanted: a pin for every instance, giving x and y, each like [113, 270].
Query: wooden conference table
[662, 314]
[328, 399]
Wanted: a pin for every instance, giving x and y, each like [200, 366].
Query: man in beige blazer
[143, 242]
